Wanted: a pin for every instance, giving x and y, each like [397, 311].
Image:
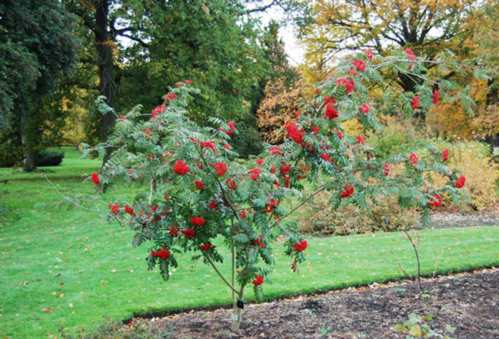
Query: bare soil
[461, 306]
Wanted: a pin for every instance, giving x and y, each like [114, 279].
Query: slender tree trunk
[418, 261]
[237, 311]
[236, 318]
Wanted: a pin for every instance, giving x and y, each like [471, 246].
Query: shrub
[10, 149]
[396, 137]
[49, 158]
[319, 217]
[474, 160]
[452, 120]
[278, 106]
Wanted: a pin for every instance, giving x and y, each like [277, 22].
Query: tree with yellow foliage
[456, 33]
[280, 105]
[426, 26]
[450, 119]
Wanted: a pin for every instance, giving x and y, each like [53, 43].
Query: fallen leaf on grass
[47, 309]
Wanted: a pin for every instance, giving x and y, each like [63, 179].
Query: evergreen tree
[276, 55]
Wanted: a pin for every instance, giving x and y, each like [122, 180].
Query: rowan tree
[197, 195]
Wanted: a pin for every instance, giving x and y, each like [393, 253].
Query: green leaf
[241, 238]
[480, 74]
[450, 329]
[138, 239]
[401, 328]
[415, 331]
[259, 203]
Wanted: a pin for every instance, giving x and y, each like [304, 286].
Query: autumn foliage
[280, 105]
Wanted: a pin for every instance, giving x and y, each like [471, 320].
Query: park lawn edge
[147, 313]
[275, 296]
[125, 315]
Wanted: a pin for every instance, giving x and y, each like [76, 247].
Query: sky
[294, 49]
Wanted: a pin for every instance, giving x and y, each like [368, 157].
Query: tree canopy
[142, 48]
[36, 48]
[426, 26]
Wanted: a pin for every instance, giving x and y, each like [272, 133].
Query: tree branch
[131, 37]
[122, 30]
[263, 8]
[386, 36]
[303, 202]
[220, 274]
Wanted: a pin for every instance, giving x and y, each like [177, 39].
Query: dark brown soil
[460, 306]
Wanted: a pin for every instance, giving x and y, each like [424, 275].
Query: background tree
[480, 46]
[100, 18]
[280, 105]
[36, 48]
[152, 45]
[213, 44]
[290, 7]
[425, 26]
[280, 94]
[275, 54]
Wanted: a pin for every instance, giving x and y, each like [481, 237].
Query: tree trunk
[492, 94]
[27, 138]
[236, 318]
[104, 47]
[237, 311]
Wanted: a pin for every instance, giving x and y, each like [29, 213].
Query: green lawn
[63, 266]
[73, 166]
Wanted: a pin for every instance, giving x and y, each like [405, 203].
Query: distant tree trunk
[103, 44]
[492, 94]
[492, 99]
[27, 136]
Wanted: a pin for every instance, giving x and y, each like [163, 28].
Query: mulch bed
[462, 306]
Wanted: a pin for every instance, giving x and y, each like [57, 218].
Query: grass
[63, 266]
[73, 166]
